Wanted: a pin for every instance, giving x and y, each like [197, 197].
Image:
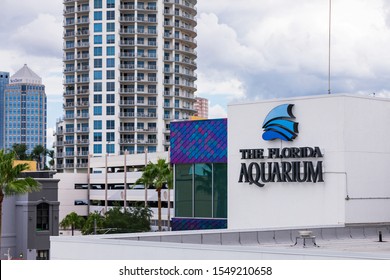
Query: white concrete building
[352, 134]
[129, 70]
[103, 187]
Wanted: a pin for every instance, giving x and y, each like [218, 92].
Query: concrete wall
[351, 133]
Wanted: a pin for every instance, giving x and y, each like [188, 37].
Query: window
[97, 110]
[110, 148]
[97, 39]
[110, 26]
[110, 39]
[110, 137]
[42, 255]
[97, 87]
[97, 15]
[110, 98]
[110, 110]
[98, 51]
[42, 216]
[97, 99]
[97, 137]
[110, 3]
[110, 15]
[110, 75]
[110, 86]
[201, 190]
[97, 75]
[110, 62]
[98, 4]
[110, 124]
[97, 63]
[97, 148]
[98, 27]
[97, 124]
[111, 50]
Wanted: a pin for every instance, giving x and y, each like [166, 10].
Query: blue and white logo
[279, 124]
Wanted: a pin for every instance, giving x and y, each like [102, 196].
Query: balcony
[126, 129]
[126, 102]
[82, 68]
[82, 165]
[82, 33]
[68, 105]
[127, 115]
[83, 21]
[69, 69]
[83, 80]
[126, 90]
[83, 130]
[83, 45]
[83, 9]
[147, 115]
[68, 142]
[69, 117]
[69, 93]
[83, 56]
[82, 104]
[83, 116]
[82, 141]
[127, 7]
[68, 34]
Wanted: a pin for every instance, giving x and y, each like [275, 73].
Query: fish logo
[279, 124]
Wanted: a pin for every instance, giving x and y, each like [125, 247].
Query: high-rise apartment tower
[129, 70]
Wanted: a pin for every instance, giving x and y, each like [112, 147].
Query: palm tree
[10, 183]
[20, 151]
[73, 221]
[147, 178]
[162, 172]
[37, 154]
[50, 153]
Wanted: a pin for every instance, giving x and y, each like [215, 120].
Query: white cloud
[217, 112]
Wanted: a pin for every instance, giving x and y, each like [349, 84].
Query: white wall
[351, 133]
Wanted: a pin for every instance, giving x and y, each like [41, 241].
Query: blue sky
[247, 49]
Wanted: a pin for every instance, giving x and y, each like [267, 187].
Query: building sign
[282, 165]
[278, 124]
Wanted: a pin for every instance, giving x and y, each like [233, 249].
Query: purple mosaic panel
[197, 224]
[203, 141]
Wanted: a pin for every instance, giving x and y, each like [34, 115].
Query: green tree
[157, 174]
[50, 153]
[10, 183]
[20, 151]
[38, 153]
[93, 224]
[162, 172]
[72, 220]
[147, 178]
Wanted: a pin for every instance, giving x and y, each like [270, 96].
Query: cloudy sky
[247, 49]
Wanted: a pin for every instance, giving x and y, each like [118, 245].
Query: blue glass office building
[4, 80]
[25, 110]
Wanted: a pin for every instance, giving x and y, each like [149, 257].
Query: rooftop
[25, 76]
[334, 243]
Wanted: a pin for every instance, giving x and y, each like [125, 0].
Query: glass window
[110, 110]
[220, 190]
[98, 51]
[97, 148]
[110, 15]
[98, 4]
[110, 3]
[97, 110]
[203, 190]
[111, 50]
[110, 26]
[97, 75]
[110, 62]
[97, 137]
[97, 87]
[110, 137]
[110, 148]
[110, 39]
[183, 190]
[42, 216]
[97, 39]
[110, 124]
[110, 86]
[97, 124]
[97, 99]
[97, 27]
[110, 98]
[97, 15]
[97, 63]
[110, 75]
